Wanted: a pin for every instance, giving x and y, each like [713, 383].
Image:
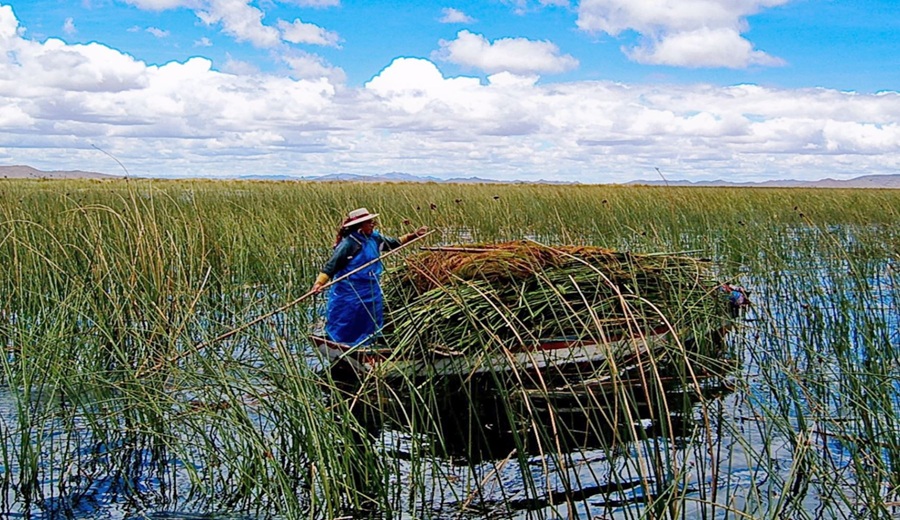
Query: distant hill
[865, 181]
[27, 172]
[390, 177]
[406, 177]
[382, 177]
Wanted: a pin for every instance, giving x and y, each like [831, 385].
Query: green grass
[108, 288]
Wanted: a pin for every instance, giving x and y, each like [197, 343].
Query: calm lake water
[780, 427]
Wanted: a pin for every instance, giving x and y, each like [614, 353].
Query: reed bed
[115, 398]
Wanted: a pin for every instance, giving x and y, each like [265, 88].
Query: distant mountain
[866, 181]
[382, 177]
[27, 172]
[406, 177]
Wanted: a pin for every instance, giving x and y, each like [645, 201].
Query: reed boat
[461, 311]
[548, 361]
[486, 402]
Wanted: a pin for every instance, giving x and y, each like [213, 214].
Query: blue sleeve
[386, 243]
[341, 256]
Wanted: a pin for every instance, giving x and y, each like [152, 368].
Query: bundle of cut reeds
[469, 296]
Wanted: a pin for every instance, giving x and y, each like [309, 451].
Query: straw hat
[358, 216]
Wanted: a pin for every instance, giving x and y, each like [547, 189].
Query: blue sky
[590, 91]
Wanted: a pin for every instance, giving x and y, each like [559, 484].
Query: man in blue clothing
[355, 311]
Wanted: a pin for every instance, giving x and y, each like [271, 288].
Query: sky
[591, 91]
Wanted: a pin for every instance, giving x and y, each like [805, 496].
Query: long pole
[254, 321]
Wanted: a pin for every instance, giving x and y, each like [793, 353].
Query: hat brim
[360, 220]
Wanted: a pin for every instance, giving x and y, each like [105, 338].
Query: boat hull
[547, 362]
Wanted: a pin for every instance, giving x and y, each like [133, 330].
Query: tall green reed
[107, 281]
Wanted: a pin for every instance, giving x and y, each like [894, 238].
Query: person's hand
[321, 280]
[414, 234]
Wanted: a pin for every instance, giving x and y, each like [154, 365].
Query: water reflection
[477, 421]
[526, 450]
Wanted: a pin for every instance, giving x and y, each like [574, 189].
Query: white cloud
[155, 31]
[306, 65]
[9, 25]
[56, 100]
[240, 20]
[14, 116]
[412, 84]
[312, 34]
[703, 48]
[69, 26]
[162, 5]
[239, 67]
[509, 79]
[688, 33]
[522, 7]
[519, 6]
[56, 65]
[451, 15]
[244, 22]
[516, 55]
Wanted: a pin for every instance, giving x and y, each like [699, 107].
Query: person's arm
[415, 234]
[394, 243]
[320, 282]
[342, 254]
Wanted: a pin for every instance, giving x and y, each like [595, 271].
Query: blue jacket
[355, 310]
[350, 247]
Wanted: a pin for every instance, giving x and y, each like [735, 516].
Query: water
[786, 430]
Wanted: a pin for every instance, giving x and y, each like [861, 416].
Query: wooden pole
[284, 307]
